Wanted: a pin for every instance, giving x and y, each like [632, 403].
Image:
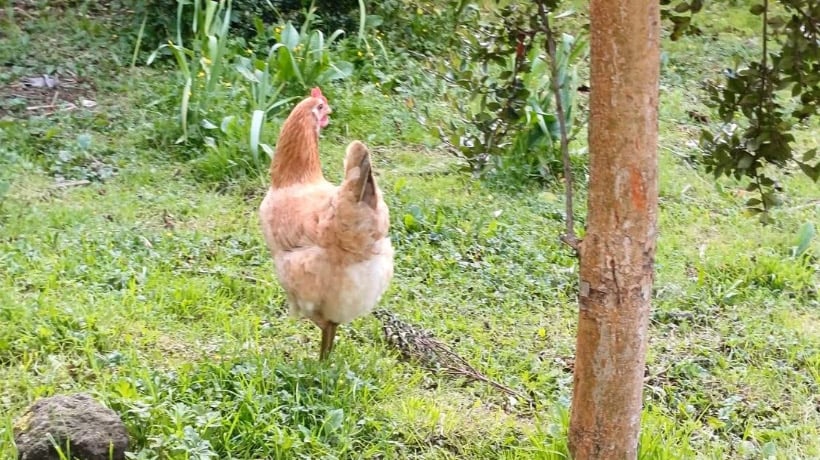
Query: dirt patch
[45, 95]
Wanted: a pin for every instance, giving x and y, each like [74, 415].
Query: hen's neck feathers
[296, 160]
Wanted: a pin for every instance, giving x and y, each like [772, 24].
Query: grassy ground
[153, 291]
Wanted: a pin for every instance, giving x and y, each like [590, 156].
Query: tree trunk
[618, 251]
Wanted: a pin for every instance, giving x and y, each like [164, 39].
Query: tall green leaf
[257, 121]
[289, 37]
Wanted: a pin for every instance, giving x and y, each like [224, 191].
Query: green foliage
[419, 27]
[303, 56]
[154, 291]
[230, 92]
[222, 105]
[264, 97]
[79, 161]
[155, 22]
[507, 97]
[160, 25]
[328, 15]
[4, 189]
[682, 22]
[805, 235]
[322, 404]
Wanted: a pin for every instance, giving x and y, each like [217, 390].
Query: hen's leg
[328, 334]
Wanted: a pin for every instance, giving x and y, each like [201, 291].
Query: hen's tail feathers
[357, 156]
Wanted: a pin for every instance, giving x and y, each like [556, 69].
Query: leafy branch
[518, 80]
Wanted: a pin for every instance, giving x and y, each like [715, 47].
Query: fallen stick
[804, 205]
[40, 107]
[71, 183]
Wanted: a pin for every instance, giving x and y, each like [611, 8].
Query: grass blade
[210, 11]
[290, 36]
[226, 21]
[180, 8]
[804, 237]
[182, 61]
[334, 36]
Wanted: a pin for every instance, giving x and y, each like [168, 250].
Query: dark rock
[76, 422]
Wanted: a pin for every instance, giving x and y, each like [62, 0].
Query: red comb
[316, 92]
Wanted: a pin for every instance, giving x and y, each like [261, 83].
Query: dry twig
[569, 238]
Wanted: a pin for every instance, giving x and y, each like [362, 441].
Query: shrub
[303, 58]
[203, 64]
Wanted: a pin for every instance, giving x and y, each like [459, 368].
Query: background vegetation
[133, 268]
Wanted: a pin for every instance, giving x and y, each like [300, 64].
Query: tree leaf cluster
[502, 68]
[763, 103]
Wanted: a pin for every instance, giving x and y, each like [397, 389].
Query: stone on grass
[77, 423]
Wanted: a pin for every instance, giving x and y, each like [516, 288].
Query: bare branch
[569, 237]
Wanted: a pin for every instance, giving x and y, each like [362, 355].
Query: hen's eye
[320, 106]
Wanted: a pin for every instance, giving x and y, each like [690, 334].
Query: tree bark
[618, 251]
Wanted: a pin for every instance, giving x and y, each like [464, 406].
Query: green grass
[151, 288]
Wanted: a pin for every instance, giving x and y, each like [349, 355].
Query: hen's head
[319, 108]
[312, 113]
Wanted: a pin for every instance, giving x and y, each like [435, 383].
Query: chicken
[330, 244]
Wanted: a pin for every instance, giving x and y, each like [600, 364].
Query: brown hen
[330, 244]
